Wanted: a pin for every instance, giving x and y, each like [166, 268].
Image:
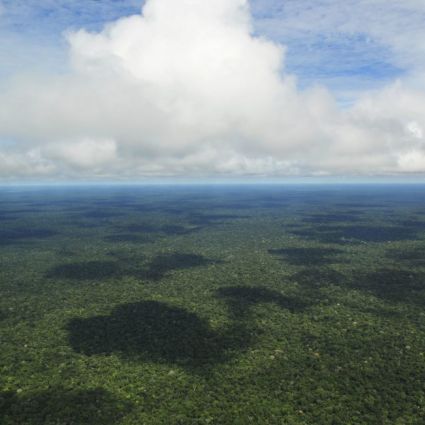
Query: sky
[125, 90]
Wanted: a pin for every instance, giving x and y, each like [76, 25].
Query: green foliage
[238, 305]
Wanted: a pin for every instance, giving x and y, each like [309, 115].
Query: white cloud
[186, 89]
[412, 162]
[29, 164]
[84, 153]
[414, 129]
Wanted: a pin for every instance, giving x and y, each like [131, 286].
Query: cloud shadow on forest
[154, 270]
[307, 256]
[63, 406]
[14, 236]
[356, 233]
[162, 333]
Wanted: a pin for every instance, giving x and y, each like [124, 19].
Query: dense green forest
[212, 305]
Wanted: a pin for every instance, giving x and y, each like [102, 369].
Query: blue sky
[31, 31]
[32, 34]
[256, 89]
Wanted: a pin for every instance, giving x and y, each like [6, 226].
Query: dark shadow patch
[128, 265]
[331, 218]
[240, 299]
[306, 256]
[212, 219]
[62, 406]
[294, 225]
[74, 209]
[356, 234]
[174, 211]
[129, 237]
[167, 229]
[165, 263]
[141, 228]
[411, 256]
[178, 230]
[247, 205]
[142, 208]
[151, 331]
[10, 236]
[24, 211]
[81, 223]
[417, 225]
[100, 214]
[273, 204]
[392, 285]
[118, 203]
[316, 277]
[361, 205]
[351, 212]
[64, 251]
[90, 270]
[7, 216]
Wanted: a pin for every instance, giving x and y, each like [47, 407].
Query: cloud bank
[186, 89]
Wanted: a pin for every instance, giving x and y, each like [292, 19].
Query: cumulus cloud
[185, 88]
[84, 153]
[29, 164]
